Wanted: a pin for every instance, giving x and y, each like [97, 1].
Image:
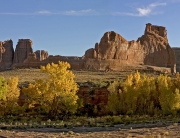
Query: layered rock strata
[6, 54]
[114, 51]
[23, 49]
[157, 49]
[41, 54]
[23, 56]
[177, 54]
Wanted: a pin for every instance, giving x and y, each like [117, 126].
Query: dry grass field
[80, 76]
[29, 75]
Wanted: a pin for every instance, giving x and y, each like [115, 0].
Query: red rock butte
[112, 52]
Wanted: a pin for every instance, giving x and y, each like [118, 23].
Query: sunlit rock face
[112, 52]
[156, 47]
[152, 48]
[23, 49]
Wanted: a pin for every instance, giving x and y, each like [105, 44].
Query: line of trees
[57, 95]
[140, 94]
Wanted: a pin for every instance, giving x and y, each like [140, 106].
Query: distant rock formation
[2, 50]
[41, 55]
[177, 54]
[150, 49]
[113, 52]
[156, 47]
[114, 46]
[6, 54]
[23, 49]
[22, 57]
[31, 58]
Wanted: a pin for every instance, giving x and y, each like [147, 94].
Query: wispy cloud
[142, 11]
[46, 12]
[81, 12]
[15, 13]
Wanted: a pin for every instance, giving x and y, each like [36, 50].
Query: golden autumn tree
[57, 94]
[3, 88]
[12, 96]
[145, 95]
[9, 94]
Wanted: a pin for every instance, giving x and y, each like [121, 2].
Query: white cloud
[46, 12]
[145, 11]
[14, 13]
[80, 12]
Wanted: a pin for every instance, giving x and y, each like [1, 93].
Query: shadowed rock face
[6, 54]
[177, 53]
[2, 50]
[23, 49]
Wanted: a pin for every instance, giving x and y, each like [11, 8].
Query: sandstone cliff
[23, 49]
[6, 54]
[177, 54]
[113, 52]
[114, 46]
[23, 55]
[2, 50]
[41, 54]
[156, 47]
[150, 49]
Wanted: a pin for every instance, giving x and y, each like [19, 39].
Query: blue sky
[69, 27]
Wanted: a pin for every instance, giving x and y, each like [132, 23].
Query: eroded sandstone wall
[112, 52]
[152, 48]
[6, 54]
[41, 55]
[23, 49]
[177, 53]
[156, 47]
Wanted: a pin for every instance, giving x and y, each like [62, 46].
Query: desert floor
[118, 131]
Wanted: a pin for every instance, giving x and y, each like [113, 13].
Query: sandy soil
[118, 131]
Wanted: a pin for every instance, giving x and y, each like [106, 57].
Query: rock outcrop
[41, 55]
[23, 49]
[22, 57]
[31, 58]
[114, 46]
[150, 49]
[156, 47]
[6, 54]
[2, 50]
[113, 52]
[177, 53]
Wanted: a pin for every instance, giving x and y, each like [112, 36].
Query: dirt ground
[118, 131]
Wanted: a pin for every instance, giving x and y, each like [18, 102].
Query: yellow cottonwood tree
[9, 95]
[12, 96]
[57, 94]
[3, 88]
